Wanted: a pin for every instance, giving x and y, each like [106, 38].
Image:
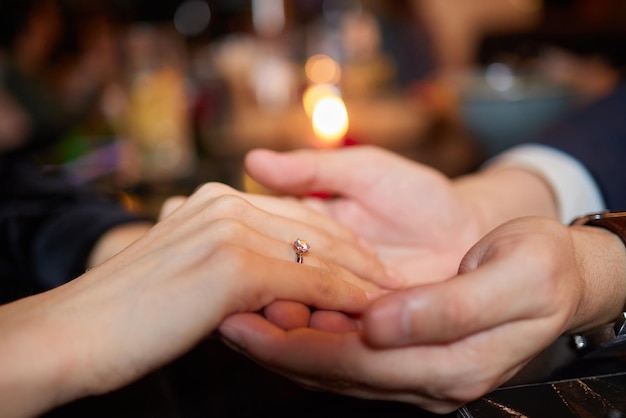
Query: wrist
[115, 240]
[35, 358]
[574, 188]
[602, 265]
[499, 194]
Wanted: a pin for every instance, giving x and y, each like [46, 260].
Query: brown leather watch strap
[613, 221]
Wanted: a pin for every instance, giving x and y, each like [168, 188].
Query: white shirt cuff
[576, 191]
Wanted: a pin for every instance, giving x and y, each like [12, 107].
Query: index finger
[307, 171]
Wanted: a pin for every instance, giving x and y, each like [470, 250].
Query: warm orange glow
[315, 93]
[529, 6]
[322, 69]
[330, 119]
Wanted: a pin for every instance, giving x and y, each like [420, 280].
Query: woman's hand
[211, 256]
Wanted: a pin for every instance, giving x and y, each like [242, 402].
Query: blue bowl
[505, 111]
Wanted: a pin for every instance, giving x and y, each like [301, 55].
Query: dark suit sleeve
[596, 136]
[48, 226]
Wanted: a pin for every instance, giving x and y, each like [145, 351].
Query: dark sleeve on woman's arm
[596, 136]
[48, 226]
[64, 242]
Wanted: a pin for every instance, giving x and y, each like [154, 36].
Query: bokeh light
[330, 119]
[192, 17]
[322, 69]
[334, 10]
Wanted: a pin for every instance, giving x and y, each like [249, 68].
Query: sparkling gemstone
[301, 246]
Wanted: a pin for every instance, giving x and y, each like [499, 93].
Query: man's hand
[443, 344]
[410, 213]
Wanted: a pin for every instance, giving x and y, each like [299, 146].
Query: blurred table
[397, 122]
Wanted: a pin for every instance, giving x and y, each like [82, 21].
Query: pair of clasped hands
[477, 277]
[426, 290]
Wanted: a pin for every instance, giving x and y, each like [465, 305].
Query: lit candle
[330, 119]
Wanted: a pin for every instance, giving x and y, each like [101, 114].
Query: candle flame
[330, 119]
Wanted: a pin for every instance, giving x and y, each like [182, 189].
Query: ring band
[301, 247]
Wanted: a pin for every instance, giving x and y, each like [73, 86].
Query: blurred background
[146, 99]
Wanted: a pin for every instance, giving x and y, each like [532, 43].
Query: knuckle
[453, 317]
[230, 205]
[227, 230]
[212, 189]
[469, 392]
[461, 386]
[326, 280]
[324, 284]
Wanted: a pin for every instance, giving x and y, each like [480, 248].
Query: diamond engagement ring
[301, 247]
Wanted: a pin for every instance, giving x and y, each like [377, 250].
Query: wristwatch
[613, 221]
[616, 223]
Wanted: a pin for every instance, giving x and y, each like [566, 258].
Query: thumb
[345, 171]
